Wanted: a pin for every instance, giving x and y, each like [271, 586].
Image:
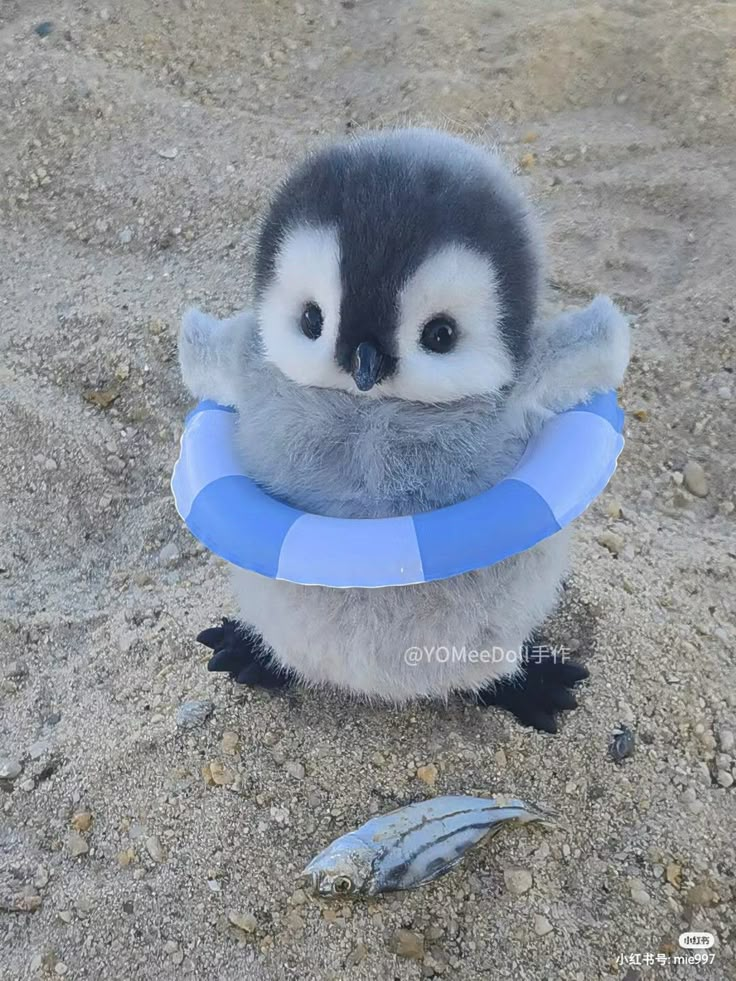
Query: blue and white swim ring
[563, 469]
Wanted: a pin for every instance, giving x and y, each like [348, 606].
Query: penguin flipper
[211, 352]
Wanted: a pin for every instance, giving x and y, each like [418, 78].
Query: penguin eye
[439, 335]
[312, 321]
[342, 885]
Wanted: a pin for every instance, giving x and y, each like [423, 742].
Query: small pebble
[613, 542]
[76, 845]
[356, 955]
[703, 773]
[126, 236]
[408, 944]
[192, 714]
[9, 769]
[294, 923]
[126, 641]
[82, 821]
[280, 815]
[626, 713]
[230, 741]
[726, 739]
[695, 479]
[170, 153]
[38, 749]
[673, 874]
[542, 926]
[217, 773]
[517, 881]
[700, 895]
[44, 28]
[724, 778]
[154, 849]
[41, 878]
[428, 774]
[527, 161]
[169, 554]
[638, 892]
[295, 770]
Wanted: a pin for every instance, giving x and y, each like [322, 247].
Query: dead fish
[412, 845]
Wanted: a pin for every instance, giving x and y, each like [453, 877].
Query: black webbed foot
[540, 691]
[241, 652]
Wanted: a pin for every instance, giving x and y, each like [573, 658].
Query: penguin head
[402, 264]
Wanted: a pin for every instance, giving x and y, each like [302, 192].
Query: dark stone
[622, 744]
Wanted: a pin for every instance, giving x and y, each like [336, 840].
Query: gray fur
[395, 197]
[339, 454]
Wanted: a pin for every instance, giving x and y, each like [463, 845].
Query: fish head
[344, 869]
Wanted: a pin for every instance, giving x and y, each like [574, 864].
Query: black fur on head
[394, 198]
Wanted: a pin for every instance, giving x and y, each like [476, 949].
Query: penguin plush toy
[394, 363]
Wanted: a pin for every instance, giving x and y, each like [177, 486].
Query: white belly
[357, 639]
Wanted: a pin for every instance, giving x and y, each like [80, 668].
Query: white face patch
[307, 270]
[455, 281]
[460, 283]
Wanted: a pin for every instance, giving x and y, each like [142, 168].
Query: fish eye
[311, 321]
[439, 335]
[342, 885]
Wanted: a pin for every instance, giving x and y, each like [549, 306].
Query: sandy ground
[138, 143]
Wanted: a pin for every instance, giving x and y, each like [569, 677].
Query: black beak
[366, 366]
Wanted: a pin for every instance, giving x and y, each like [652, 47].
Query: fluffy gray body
[317, 443]
[332, 453]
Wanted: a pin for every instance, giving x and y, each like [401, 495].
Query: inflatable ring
[563, 469]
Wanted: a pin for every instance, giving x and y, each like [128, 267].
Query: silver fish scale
[418, 843]
[427, 839]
